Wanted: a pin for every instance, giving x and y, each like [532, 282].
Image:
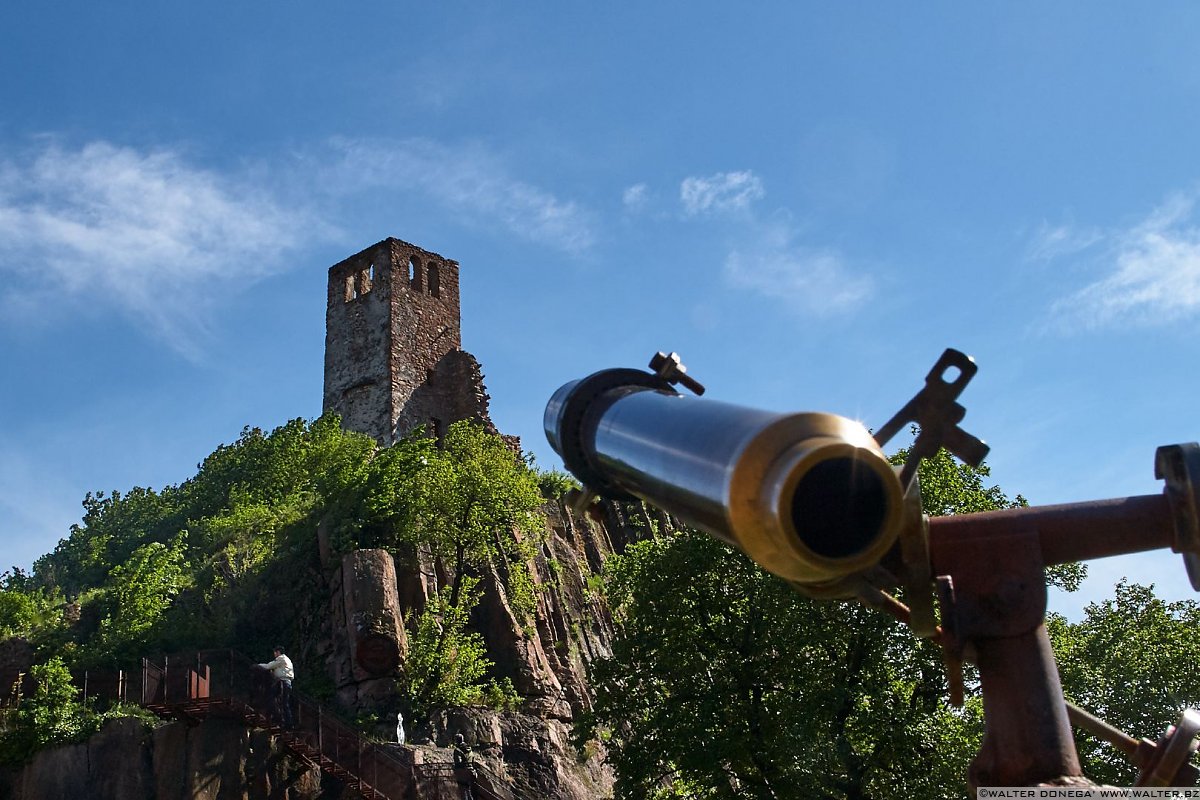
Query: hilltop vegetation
[229, 558]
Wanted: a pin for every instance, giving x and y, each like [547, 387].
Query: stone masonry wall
[357, 342]
[393, 342]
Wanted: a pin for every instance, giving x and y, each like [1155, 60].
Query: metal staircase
[225, 683]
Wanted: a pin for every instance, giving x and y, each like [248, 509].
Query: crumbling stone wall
[454, 390]
[393, 338]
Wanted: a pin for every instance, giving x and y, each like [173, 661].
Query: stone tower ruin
[393, 344]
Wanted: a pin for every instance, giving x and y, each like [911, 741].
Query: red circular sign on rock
[377, 654]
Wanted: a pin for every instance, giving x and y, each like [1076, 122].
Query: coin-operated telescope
[811, 498]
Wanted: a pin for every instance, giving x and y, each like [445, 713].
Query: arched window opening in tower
[434, 287]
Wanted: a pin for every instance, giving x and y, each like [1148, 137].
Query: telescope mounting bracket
[936, 412]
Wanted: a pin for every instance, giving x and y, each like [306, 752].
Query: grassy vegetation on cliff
[230, 557]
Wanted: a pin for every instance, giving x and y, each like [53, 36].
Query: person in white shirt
[282, 674]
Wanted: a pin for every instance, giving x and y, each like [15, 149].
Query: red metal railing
[224, 682]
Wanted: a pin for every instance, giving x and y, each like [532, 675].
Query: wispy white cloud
[466, 180]
[1056, 241]
[1153, 272]
[722, 192]
[634, 198]
[141, 231]
[161, 240]
[811, 280]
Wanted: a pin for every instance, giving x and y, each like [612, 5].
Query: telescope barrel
[808, 496]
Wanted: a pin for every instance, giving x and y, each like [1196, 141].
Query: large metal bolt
[669, 367]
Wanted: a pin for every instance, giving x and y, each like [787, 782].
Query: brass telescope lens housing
[814, 500]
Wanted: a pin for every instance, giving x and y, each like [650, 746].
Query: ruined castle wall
[392, 314]
[357, 342]
[425, 329]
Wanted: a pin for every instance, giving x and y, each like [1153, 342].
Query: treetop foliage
[1132, 661]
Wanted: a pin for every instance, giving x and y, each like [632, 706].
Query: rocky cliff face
[546, 658]
[126, 760]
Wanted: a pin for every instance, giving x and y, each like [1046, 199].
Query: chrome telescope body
[809, 496]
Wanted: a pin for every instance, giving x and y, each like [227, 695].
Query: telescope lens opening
[838, 507]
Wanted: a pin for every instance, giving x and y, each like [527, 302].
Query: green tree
[140, 592]
[113, 526]
[447, 663]
[51, 715]
[472, 503]
[475, 504]
[726, 683]
[26, 608]
[221, 558]
[1132, 661]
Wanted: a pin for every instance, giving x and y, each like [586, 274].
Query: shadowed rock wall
[217, 760]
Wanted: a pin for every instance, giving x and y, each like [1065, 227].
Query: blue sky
[808, 201]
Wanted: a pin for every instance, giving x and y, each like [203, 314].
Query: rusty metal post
[1028, 737]
[994, 603]
[993, 608]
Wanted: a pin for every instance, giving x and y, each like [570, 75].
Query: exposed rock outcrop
[368, 638]
[530, 756]
[545, 656]
[126, 760]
